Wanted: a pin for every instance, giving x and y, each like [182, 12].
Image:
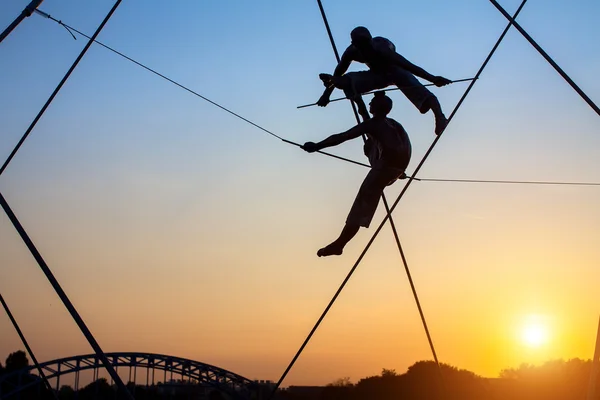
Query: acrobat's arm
[336, 139]
[402, 62]
[345, 61]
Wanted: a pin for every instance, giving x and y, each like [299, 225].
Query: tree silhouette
[99, 389]
[66, 392]
[16, 361]
[341, 382]
[553, 380]
[421, 381]
[388, 372]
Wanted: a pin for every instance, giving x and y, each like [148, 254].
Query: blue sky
[129, 179]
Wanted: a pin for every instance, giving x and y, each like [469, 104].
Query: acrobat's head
[381, 105]
[360, 36]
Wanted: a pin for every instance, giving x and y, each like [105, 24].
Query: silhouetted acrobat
[389, 151]
[386, 67]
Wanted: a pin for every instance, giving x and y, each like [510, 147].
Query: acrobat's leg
[337, 247]
[354, 84]
[362, 108]
[420, 96]
[441, 121]
[363, 209]
[354, 94]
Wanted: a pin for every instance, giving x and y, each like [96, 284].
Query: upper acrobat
[386, 67]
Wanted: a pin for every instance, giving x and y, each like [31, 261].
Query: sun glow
[535, 333]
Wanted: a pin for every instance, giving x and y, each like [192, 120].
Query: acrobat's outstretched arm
[418, 71]
[336, 139]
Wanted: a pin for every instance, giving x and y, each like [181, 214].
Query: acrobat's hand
[441, 81]
[323, 100]
[310, 147]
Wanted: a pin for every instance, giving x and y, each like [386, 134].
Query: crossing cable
[509, 182]
[392, 224]
[42, 264]
[24, 14]
[345, 281]
[384, 90]
[70, 28]
[395, 233]
[63, 296]
[547, 57]
[60, 85]
[33, 358]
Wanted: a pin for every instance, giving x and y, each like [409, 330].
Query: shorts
[370, 191]
[366, 81]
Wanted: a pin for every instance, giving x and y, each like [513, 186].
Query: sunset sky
[176, 228]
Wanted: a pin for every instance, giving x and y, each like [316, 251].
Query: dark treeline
[554, 380]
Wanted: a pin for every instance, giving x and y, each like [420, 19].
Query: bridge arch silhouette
[207, 375]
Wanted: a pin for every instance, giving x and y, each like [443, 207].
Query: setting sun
[535, 333]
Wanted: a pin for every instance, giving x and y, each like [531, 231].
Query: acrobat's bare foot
[326, 78]
[339, 82]
[440, 124]
[332, 249]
